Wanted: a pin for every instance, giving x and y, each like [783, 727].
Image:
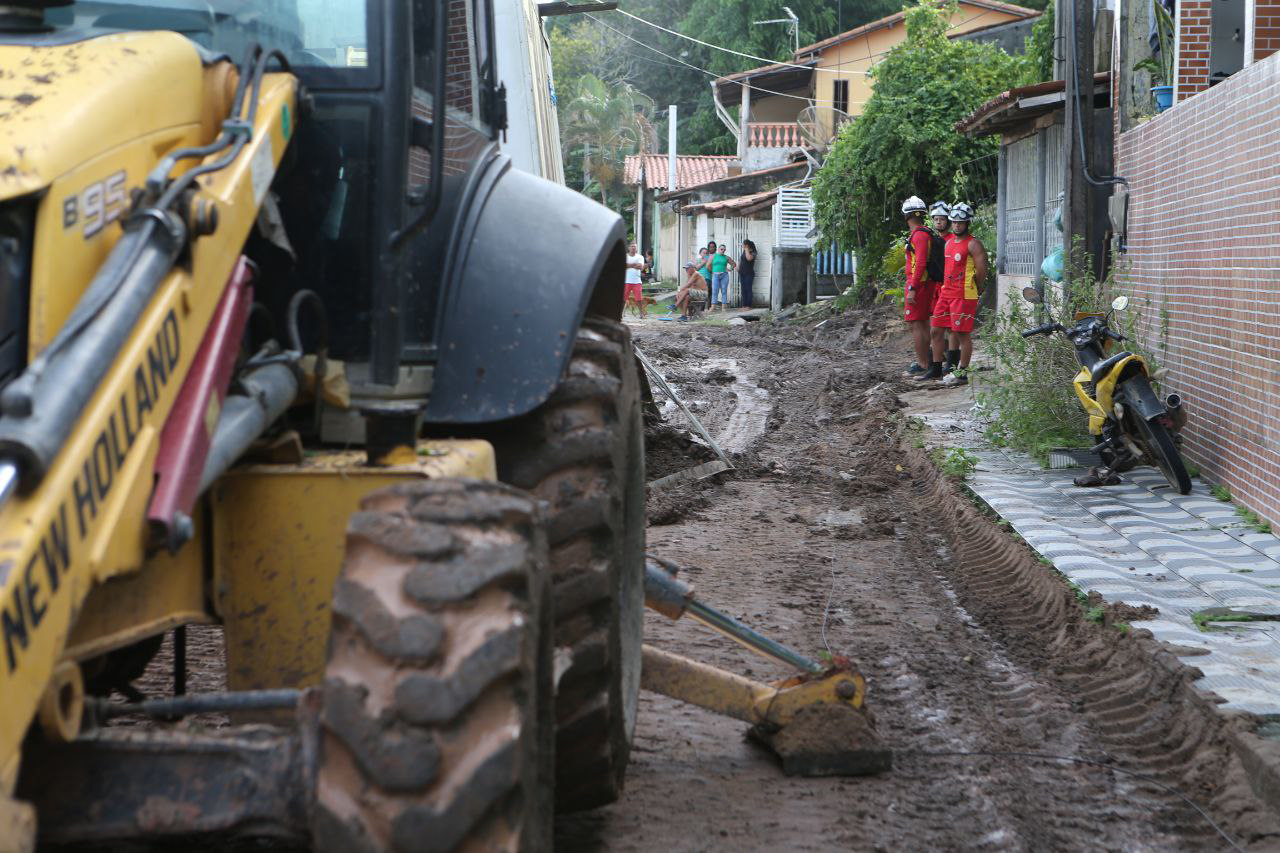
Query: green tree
[1038, 67]
[905, 142]
[604, 123]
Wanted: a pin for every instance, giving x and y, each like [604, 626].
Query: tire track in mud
[967, 642]
[1138, 697]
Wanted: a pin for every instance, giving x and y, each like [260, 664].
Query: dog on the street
[649, 301]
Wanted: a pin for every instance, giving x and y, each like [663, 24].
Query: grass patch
[1204, 620]
[956, 462]
[1193, 470]
[1252, 519]
[1094, 614]
[1220, 492]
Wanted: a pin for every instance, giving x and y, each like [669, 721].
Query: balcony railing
[773, 135]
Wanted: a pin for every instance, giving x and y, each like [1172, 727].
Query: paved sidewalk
[1138, 543]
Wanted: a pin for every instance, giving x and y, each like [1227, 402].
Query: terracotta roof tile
[740, 203]
[691, 169]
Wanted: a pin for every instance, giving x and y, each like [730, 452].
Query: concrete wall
[770, 108]
[1209, 292]
[789, 276]
[766, 158]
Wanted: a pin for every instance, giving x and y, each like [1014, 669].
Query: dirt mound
[668, 449]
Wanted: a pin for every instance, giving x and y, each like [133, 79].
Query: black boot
[934, 372]
[953, 359]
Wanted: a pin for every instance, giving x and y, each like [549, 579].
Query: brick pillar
[1193, 47]
[1266, 28]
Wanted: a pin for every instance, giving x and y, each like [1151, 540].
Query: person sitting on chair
[695, 286]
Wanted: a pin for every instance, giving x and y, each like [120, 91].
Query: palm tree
[609, 121]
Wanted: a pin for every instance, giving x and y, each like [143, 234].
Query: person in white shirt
[635, 291]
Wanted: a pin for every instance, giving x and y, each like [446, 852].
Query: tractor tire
[582, 453]
[437, 713]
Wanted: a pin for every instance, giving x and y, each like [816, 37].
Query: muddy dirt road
[835, 534]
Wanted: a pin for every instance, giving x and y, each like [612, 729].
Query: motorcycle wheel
[1158, 444]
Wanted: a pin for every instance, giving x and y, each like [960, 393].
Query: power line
[712, 74]
[776, 62]
[718, 47]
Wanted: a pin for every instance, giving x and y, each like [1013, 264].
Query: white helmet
[913, 205]
[939, 208]
[960, 212]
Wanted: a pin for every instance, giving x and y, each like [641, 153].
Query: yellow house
[800, 104]
[840, 74]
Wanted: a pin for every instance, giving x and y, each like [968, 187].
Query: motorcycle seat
[1100, 370]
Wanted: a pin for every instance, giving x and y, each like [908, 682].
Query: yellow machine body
[1098, 405]
[120, 103]
[742, 698]
[62, 137]
[278, 543]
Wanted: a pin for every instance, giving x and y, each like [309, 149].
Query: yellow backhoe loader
[281, 236]
[290, 348]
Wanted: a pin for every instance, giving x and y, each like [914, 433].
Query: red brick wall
[1266, 28]
[1193, 47]
[1204, 269]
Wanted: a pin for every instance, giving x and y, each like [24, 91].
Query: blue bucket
[1163, 96]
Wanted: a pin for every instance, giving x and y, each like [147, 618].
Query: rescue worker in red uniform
[919, 290]
[957, 305]
[940, 214]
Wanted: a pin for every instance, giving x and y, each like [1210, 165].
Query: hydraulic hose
[268, 392]
[41, 407]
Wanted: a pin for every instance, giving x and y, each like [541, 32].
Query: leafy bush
[905, 142]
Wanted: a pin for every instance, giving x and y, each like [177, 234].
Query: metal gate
[737, 233]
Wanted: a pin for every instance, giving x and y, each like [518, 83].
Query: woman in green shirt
[720, 263]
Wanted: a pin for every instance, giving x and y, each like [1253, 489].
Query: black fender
[1139, 394]
[529, 260]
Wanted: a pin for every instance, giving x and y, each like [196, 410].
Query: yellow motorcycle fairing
[1098, 406]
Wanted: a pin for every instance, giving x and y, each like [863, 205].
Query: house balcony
[770, 144]
[781, 134]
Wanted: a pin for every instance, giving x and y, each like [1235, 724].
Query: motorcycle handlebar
[1041, 330]
[1115, 336]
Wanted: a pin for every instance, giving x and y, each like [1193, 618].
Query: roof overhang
[741, 206]
[773, 78]
[1013, 110]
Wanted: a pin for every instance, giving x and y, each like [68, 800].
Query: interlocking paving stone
[1142, 543]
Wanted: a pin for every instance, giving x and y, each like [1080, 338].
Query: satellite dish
[819, 126]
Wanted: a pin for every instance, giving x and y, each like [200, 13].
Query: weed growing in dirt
[1252, 519]
[1122, 627]
[957, 463]
[1094, 614]
[1029, 398]
[1204, 621]
[1222, 493]
[1076, 591]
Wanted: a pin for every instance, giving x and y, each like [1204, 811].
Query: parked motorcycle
[1115, 392]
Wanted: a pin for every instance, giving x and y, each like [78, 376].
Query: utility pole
[671, 186]
[1080, 228]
